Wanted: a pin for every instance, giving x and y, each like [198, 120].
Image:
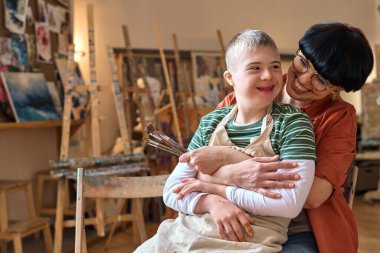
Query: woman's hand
[230, 220]
[208, 159]
[256, 174]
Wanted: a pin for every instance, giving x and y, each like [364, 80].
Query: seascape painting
[29, 97]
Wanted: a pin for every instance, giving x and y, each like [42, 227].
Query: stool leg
[48, 239]
[3, 219]
[17, 243]
[40, 187]
[3, 246]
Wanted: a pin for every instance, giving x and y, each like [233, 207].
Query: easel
[169, 90]
[125, 136]
[133, 73]
[95, 134]
[225, 85]
[184, 81]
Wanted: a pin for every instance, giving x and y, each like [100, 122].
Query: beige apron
[198, 233]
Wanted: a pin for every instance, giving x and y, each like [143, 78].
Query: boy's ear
[227, 75]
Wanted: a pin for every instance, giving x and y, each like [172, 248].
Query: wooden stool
[16, 230]
[45, 177]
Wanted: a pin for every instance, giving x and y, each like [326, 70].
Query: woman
[331, 57]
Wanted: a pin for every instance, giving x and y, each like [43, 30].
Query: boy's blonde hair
[245, 40]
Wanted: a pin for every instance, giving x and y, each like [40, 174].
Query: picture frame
[29, 96]
[209, 87]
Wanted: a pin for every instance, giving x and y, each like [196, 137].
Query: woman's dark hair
[339, 52]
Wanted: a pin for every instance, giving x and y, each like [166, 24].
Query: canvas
[208, 78]
[6, 56]
[19, 51]
[15, 15]
[29, 97]
[79, 98]
[43, 42]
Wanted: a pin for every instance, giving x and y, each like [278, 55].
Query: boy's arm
[187, 204]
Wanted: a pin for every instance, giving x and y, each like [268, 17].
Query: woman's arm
[288, 206]
[336, 142]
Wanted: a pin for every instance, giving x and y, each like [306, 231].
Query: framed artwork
[6, 55]
[43, 43]
[19, 51]
[29, 97]
[15, 15]
[208, 82]
[371, 111]
[79, 98]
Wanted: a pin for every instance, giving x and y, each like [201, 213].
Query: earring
[335, 95]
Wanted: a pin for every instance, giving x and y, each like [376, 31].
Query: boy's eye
[255, 68]
[276, 67]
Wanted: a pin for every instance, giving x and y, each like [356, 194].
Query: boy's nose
[266, 74]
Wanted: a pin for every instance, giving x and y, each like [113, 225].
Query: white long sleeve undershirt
[289, 206]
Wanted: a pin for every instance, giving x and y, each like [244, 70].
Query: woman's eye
[303, 62]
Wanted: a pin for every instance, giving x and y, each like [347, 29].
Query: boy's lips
[266, 89]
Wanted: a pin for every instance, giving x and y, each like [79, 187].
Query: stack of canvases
[30, 34]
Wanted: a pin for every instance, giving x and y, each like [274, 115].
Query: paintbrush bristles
[162, 141]
[149, 128]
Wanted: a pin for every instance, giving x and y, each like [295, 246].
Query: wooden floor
[367, 217]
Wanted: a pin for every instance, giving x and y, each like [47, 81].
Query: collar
[317, 106]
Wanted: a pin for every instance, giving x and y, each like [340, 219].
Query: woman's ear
[227, 75]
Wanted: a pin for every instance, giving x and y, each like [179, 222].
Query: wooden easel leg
[100, 217]
[120, 205]
[59, 216]
[139, 219]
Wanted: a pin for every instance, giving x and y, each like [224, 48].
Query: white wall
[195, 23]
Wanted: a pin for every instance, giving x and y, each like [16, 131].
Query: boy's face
[256, 77]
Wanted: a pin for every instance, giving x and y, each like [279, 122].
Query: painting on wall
[371, 111]
[79, 98]
[29, 97]
[208, 71]
[15, 15]
[43, 43]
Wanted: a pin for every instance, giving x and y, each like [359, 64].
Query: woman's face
[299, 85]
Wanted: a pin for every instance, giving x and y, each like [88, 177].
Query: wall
[195, 23]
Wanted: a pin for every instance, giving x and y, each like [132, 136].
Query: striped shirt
[292, 135]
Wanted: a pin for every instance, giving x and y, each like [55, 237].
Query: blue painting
[29, 97]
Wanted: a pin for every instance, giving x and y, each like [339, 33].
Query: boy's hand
[231, 221]
[194, 185]
[206, 159]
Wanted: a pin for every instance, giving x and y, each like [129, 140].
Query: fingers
[184, 158]
[267, 159]
[230, 233]
[268, 193]
[246, 221]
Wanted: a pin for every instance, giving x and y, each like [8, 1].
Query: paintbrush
[162, 141]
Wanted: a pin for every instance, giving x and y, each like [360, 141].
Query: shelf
[36, 124]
